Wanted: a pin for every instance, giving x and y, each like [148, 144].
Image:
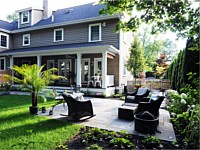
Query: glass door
[97, 66]
[64, 69]
[85, 70]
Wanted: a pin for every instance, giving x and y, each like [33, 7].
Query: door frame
[66, 60]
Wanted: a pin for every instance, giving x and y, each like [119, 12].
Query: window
[58, 35]
[26, 39]
[95, 32]
[25, 17]
[3, 40]
[2, 64]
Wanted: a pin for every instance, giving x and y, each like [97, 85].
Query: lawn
[19, 129]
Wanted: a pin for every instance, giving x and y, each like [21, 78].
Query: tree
[135, 62]
[34, 80]
[153, 45]
[12, 17]
[175, 15]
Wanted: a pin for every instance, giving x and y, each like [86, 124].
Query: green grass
[18, 127]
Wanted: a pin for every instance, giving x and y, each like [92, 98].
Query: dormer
[29, 16]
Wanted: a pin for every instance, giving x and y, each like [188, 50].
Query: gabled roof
[69, 15]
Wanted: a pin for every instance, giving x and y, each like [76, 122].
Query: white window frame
[22, 21]
[4, 62]
[96, 60]
[7, 40]
[60, 29]
[29, 37]
[100, 32]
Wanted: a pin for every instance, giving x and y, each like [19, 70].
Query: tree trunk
[34, 99]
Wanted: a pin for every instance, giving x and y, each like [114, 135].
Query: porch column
[39, 61]
[11, 66]
[78, 69]
[104, 69]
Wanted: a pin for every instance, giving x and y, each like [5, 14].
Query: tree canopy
[135, 62]
[175, 15]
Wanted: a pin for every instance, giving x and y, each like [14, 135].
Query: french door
[64, 69]
[85, 70]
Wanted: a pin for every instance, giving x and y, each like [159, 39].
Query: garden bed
[95, 138]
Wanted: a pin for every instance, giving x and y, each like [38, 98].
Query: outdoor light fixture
[104, 24]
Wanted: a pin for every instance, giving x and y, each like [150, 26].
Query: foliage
[151, 142]
[175, 15]
[135, 62]
[5, 86]
[12, 17]
[155, 44]
[16, 121]
[185, 113]
[94, 147]
[121, 143]
[33, 79]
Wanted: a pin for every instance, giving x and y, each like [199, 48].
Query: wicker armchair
[146, 110]
[78, 110]
[137, 96]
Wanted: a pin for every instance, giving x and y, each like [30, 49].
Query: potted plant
[34, 80]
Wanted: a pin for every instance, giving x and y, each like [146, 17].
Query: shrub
[121, 143]
[5, 86]
[151, 142]
[94, 147]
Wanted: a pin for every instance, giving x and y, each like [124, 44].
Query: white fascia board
[29, 8]
[67, 23]
[83, 50]
[4, 30]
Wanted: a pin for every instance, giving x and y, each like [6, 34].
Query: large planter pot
[33, 110]
[144, 124]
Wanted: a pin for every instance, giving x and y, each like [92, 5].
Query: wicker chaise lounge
[78, 110]
[137, 96]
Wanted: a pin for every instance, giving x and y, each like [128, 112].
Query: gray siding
[26, 24]
[72, 34]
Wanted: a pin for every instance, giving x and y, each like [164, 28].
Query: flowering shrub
[185, 113]
[5, 86]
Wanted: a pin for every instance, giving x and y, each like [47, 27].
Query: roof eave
[67, 23]
[4, 30]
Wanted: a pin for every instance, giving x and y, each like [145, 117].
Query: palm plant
[34, 79]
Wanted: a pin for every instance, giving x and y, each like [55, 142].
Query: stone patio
[106, 111]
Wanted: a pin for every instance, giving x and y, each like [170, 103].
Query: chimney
[46, 9]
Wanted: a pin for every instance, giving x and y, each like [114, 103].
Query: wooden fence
[156, 84]
[2, 73]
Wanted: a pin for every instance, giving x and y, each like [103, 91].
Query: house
[76, 40]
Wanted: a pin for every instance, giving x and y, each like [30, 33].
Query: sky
[10, 6]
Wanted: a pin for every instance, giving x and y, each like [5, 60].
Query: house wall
[77, 33]
[113, 68]
[38, 14]
[127, 39]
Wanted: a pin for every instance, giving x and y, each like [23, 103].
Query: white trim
[21, 17]
[50, 60]
[32, 17]
[54, 35]
[29, 41]
[4, 62]
[101, 18]
[83, 50]
[7, 42]
[89, 34]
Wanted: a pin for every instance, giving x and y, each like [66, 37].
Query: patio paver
[106, 111]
